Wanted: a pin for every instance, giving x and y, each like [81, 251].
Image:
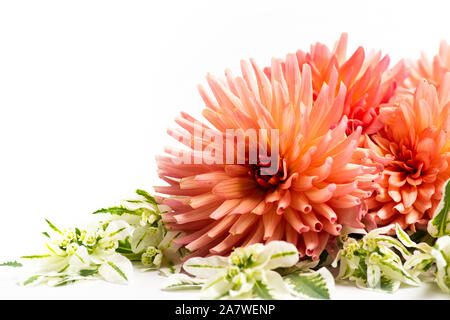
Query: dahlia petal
[300, 202]
[244, 222]
[303, 182]
[317, 195]
[323, 240]
[331, 228]
[224, 208]
[271, 219]
[234, 170]
[203, 200]
[262, 207]
[294, 220]
[409, 195]
[234, 188]
[311, 242]
[222, 226]
[257, 236]
[291, 234]
[322, 172]
[325, 211]
[312, 222]
[227, 244]
[284, 202]
[351, 216]
[394, 193]
[277, 233]
[344, 202]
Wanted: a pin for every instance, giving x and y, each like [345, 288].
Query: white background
[88, 88]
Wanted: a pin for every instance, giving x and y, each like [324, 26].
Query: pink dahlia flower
[417, 138]
[432, 71]
[366, 76]
[320, 177]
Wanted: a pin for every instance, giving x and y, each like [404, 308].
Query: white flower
[77, 254]
[372, 263]
[246, 272]
[441, 254]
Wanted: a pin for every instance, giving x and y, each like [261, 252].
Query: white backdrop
[88, 88]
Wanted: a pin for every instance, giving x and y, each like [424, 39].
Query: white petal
[144, 237]
[116, 269]
[112, 230]
[373, 276]
[281, 254]
[217, 288]
[181, 281]
[276, 284]
[205, 267]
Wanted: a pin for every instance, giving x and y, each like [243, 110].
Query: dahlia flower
[432, 71]
[366, 76]
[417, 138]
[320, 178]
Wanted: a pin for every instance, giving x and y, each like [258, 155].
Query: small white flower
[246, 272]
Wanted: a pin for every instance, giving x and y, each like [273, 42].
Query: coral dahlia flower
[366, 76]
[417, 137]
[316, 189]
[432, 71]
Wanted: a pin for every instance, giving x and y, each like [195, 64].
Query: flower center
[266, 181]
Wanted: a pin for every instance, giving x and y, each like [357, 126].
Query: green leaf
[13, 264]
[54, 227]
[46, 234]
[117, 269]
[440, 225]
[36, 256]
[88, 272]
[31, 280]
[118, 211]
[124, 246]
[261, 290]
[313, 285]
[403, 237]
[388, 285]
[147, 196]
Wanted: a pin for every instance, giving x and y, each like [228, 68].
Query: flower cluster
[107, 247]
[318, 157]
[359, 145]
[373, 261]
[149, 242]
[76, 254]
[250, 273]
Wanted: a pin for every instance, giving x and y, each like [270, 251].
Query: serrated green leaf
[313, 285]
[440, 225]
[261, 290]
[13, 264]
[182, 282]
[118, 211]
[147, 196]
[387, 284]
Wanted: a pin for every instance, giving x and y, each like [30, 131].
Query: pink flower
[366, 76]
[433, 71]
[417, 137]
[321, 177]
